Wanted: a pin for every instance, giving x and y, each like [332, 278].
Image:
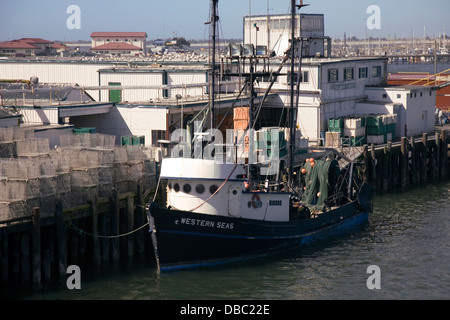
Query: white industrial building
[271, 33]
[141, 96]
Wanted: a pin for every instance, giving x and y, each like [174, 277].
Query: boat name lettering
[207, 223]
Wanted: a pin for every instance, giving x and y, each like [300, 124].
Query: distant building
[119, 43]
[27, 47]
[60, 48]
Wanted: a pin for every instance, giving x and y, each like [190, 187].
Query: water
[408, 238]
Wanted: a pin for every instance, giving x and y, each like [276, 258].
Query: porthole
[213, 188]
[200, 188]
[176, 187]
[170, 186]
[187, 188]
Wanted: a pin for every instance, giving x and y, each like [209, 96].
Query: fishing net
[319, 181]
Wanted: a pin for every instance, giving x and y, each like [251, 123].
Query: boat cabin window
[200, 188]
[213, 188]
[187, 188]
[176, 187]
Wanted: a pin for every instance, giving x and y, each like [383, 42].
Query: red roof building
[117, 48]
[123, 43]
[26, 47]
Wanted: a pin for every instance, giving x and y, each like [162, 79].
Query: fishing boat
[221, 211]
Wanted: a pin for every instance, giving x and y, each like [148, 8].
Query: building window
[333, 75]
[384, 96]
[304, 77]
[348, 73]
[363, 73]
[399, 96]
[157, 135]
[376, 71]
[289, 77]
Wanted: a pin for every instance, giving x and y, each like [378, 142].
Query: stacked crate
[336, 125]
[355, 131]
[381, 128]
[351, 128]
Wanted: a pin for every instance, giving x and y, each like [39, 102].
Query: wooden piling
[61, 239]
[423, 158]
[443, 161]
[140, 220]
[385, 160]
[404, 163]
[414, 163]
[438, 154]
[395, 170]
[36, 248]
[366, 163]
[115, 216]
[4, 258]
[373, 167]
[25, 271]
[130, 226]
[96, 260]
[73, 241]
[82, 238]
[47, 248]
[14, 245]
[105, 228]
[434, 169]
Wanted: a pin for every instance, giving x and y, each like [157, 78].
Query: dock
[82, 202]
[411, 161]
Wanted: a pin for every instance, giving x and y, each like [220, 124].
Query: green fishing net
[319, 181]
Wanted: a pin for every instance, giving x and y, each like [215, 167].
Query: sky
[48, 19]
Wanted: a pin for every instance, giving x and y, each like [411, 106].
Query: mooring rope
[74, 227]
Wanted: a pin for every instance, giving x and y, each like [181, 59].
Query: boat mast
[291, 109]
[214, 19]
[292, 125]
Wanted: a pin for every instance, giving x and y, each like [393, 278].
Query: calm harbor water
[408, 238]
